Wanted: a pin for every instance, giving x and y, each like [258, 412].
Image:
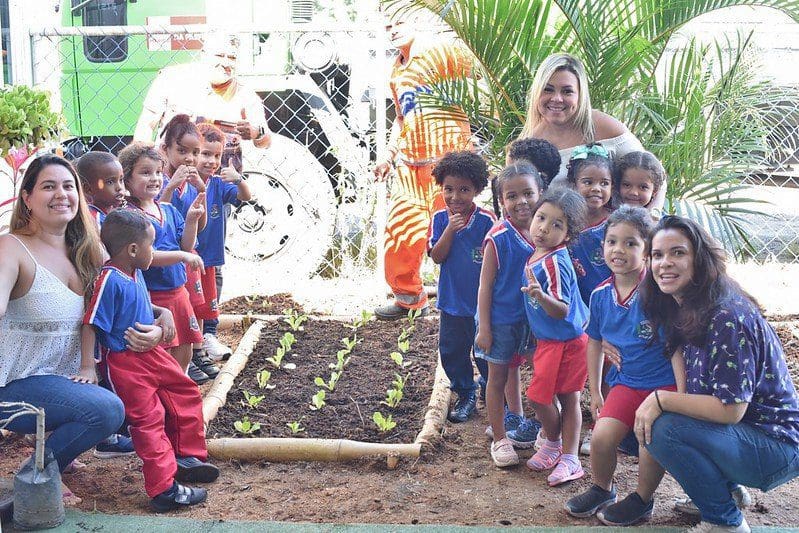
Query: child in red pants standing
[163, 405]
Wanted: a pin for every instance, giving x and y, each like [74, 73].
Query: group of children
[161, 216]
[556, 278]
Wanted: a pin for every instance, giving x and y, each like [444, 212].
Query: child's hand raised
[533, 288]
[456, 221]
[194, 178]
[180, 176]
[229, 174]
[197, 208]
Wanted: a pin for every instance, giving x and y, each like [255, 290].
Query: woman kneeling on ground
[738, 421]
[49, 259]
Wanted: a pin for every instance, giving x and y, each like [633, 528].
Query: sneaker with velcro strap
[178, 496]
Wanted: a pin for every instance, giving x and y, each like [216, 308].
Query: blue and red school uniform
[162, 404]
[512, 250]
[588, 258]
[559, 359]
[97, 214]
[458, 282]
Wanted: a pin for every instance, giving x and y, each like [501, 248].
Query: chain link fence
[316, 213]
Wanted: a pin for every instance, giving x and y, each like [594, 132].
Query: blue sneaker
[524, 435]
[114, 446]
[511, 422]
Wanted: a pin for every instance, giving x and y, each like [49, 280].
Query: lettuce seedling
[245, 427]
[277, 359]
[295, 427]
[383, 423]
[318, 400]
[263, 378]
[399, 360]
[393, 397]
[331, 383]
[253, 400]
[294, 319]
[287, 341]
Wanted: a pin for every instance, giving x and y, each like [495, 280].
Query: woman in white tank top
[49, 259]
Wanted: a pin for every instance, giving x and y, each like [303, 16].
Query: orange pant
[413, 200]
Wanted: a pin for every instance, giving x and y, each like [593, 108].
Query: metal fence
[316, 212]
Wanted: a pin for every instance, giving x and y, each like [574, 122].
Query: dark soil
[260, 305]
[358, 393]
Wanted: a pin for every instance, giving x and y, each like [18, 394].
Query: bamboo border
[293, 449]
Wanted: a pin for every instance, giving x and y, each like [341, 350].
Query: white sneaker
[741, 496]
[707, 527]
[585, 446]
[503, 454]
[540, 440]
[215, 349]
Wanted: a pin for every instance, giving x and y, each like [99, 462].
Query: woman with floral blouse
[738, 420]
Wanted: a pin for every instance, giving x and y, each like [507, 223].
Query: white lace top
[40, 332]
[617, 146]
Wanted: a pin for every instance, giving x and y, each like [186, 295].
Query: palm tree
[700, 108]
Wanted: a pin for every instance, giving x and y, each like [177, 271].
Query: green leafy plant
[26, 118]
[252, 400]
[330, 384]
[361, 321]
[393, 397]
[399, 381]
[403, 345]
[318, 400]
[399, 360]
[277, 359]
[405, 334]
[294, 319]
[245, 427]
[287, 341]
[342, 359]
[348, 343]
[295, 426]
[413, 314]
[263, 378]
[383, 423]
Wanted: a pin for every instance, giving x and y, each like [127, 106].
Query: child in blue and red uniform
[174, 237]
[590, 174]
[223, 189]
[104, 186]
[455, 241]
[557, 317]
[162, 404]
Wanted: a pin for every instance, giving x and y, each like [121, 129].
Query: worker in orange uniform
[419, 137]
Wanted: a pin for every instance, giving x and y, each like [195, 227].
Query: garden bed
[287, 408]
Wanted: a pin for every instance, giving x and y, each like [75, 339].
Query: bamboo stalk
[294, 449]
[217, 395]
[437, 408]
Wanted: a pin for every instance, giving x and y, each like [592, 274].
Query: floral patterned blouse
[743, 361]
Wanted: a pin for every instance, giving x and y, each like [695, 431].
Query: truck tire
[283, 234]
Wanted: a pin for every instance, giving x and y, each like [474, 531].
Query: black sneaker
[393, 311]
[192, 470]
[627, 512]
[178, 496]
[589, 502]
[464, 408]
[197, 375]
[204, 363]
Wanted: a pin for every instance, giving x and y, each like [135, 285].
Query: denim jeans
[707, 459]
[78, 415]
[455, 340]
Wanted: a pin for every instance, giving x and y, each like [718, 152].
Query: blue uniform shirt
[589, 259]
[118, 302]
[460, 271]
[555, 274]
[168, 233]
[97, 214]
[622, 323]
[211, 240]
[743, 360]
[513, 250]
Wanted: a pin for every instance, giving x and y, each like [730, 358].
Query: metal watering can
[38, 502]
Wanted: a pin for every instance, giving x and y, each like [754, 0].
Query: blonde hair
[547, 68]
[82, 238]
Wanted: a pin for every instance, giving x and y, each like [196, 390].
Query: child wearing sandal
[162, 404]
[557, 316]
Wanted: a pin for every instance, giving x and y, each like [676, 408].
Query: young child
[101, 175]
[455, 241]
[589, 173]
[540, 153]
[617, 318]
[502, 330]
[174, 237]
[637, 178]
[557, 317]
[163, 406]
[221, 190]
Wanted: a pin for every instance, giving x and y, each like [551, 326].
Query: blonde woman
[559, 111]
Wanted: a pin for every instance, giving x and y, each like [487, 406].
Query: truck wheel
[282, 235]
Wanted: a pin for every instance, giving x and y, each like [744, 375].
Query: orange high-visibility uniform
[425, 136]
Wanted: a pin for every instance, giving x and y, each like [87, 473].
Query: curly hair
[463, 164]
[591, 159]
[210, 133]
[541, 153]
[177, 127]
[130, 155]
[573, 206]
[637, 217]
[511, 171]
[645, 161]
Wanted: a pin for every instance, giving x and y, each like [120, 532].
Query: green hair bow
[583, 151]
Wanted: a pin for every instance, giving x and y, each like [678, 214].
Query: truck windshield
[99, 49]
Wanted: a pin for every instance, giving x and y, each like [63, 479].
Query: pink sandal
[545, 458]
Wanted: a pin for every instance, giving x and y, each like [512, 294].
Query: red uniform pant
[164, 409]
[413, 199]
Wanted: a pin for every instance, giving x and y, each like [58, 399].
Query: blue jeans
[78, 415]
[707, 459]
[455, 340]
